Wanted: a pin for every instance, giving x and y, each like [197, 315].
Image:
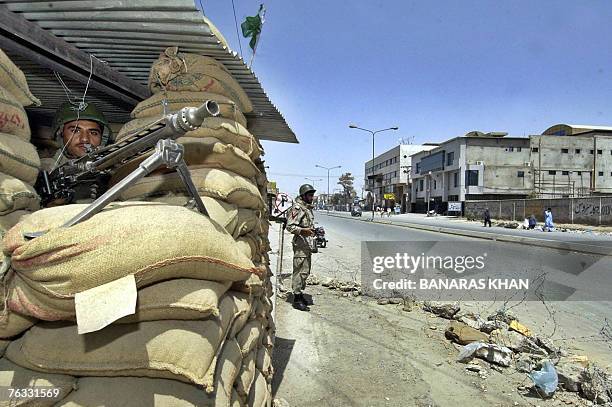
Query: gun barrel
[192, 117]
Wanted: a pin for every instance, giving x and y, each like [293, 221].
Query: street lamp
[373, 133]
[328, 170]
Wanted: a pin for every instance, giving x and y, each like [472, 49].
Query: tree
[346, 182]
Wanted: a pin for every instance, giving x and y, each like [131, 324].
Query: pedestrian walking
[532, 222]
[487, 217]
[549, 226]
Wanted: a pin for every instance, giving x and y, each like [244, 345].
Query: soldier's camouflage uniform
[300, 217]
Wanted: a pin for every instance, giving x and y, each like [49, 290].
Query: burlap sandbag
[250, 336]
[135, 392]
[246, 375]
[4, 343]
[243, 304]
[173, 299]
[264, 362]
[11, 219]
[253, 285]
[13, 117]
[236, 400]
[154, 242]
[228, 366]
[218, 184]
[202, 153]
[178, 71]
[153, 106]
[16, 195]
[179, 350]
[17, 377]
[13, 80]
[225, 130]
[260, 394]
[13, 323]
[18, 158]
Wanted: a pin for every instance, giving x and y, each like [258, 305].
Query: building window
[418, 168]
[600, 152]
[564, 172]
[509, 149]
[456, 179]
[591, 151]
[435, 184]
[600, 173]
[450, 157]
[577, 151]
[564, 150]
[519, 149]
[534, 149]
[521, 174]
[552, 172]
[471, 178]
[420, 185]
[579, 172]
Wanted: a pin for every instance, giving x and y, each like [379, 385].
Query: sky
[436, 70]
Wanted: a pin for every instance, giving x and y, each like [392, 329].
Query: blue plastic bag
[546, 379]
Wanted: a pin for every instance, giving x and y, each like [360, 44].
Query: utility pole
[328, 170]
[373, 133]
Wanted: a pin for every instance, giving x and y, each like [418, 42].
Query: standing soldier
[300, 222]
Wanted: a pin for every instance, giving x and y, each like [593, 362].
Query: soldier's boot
[299, 303]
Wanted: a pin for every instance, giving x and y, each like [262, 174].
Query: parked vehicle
[320, 240]
[356, 211]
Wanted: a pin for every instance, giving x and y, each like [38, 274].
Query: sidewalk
[594, 243]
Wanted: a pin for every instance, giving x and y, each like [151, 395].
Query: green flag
[251, 27]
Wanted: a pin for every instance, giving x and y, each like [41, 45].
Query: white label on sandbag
[100, 306]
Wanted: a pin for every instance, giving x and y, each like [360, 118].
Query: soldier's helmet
[69, 112]
[306, 188]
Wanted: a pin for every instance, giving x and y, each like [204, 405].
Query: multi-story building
[572, 160]
[475, 166]
[388, 179]
[564, 161]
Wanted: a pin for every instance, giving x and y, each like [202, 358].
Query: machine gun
[90, 170]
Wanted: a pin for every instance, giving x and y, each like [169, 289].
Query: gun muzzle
[195, 116]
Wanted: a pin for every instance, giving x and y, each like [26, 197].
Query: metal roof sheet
[127, 36]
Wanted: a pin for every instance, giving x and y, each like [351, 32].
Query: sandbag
[13, 80]
[225, 130]
[201, 153]
[103, 252]
[243, 304]
[236, 400]
[13, 323]
[173, 299]
[135, 392]
[250, 336]
[16, 195]
[153, 106]
[253, 285]
[218, 184]
[228, 366]
[16, 377]
[11, 219]
[178, 350]
[178, 71]
[18, 158]
[13, 117]
[264, 362]
[246, 375]
[260, 395]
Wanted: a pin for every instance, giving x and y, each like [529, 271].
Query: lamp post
[373, 133]
[328, 170]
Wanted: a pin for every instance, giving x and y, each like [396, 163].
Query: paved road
[349, 351]
[461, 224]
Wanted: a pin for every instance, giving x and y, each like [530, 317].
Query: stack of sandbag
[19, 161]
[191, 330]
[225, 162]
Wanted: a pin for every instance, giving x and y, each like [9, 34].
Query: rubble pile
[502, 341]
[19, 160]
[202, 332]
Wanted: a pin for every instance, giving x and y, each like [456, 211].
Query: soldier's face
[308, 198]
[78, 133]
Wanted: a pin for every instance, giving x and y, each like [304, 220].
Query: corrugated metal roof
[127, 36]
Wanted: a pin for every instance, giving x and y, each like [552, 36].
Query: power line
[237, 33]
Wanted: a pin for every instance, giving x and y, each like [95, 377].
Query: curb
[530, 241]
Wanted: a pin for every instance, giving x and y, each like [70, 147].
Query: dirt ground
[350, 351]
